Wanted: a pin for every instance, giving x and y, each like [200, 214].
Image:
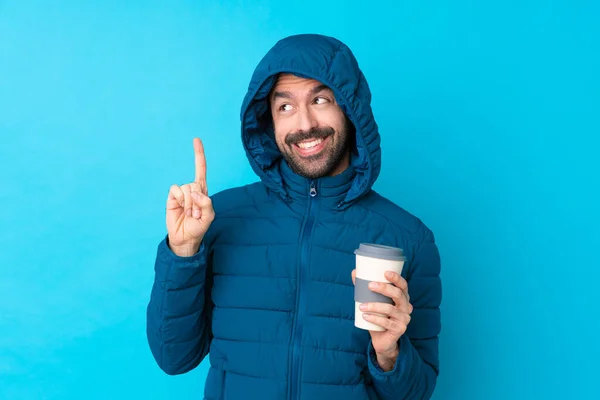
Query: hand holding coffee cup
[382, 302]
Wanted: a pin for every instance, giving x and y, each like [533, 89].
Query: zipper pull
[313, 190]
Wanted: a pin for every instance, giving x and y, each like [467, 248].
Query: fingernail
[196, 213]
[188, 212]
[373, 285]
[389, 274]
[363, 306]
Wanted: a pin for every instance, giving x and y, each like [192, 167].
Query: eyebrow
[288, 95]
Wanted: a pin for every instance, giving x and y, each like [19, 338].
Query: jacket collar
[329, 191]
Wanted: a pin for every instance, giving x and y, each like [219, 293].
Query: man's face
[311, 130]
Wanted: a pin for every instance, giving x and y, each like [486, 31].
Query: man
[261, 277]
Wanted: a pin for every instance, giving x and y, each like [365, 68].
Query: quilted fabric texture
[269, 296]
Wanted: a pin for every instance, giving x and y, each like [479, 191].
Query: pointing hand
[189, 209]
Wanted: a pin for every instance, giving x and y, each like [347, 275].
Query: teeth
[308, 145]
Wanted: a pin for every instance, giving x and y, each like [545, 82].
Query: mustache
[314, 133]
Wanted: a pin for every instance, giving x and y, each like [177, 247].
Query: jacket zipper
[294, 392]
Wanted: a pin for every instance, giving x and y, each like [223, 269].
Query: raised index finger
[200, 162]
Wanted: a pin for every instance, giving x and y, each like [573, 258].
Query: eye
[285, 107]
[321, 100]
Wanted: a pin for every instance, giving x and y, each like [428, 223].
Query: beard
[320, 164]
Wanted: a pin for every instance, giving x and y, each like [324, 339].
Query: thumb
[354, 276]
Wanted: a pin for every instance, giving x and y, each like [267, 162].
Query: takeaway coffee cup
[372, 262]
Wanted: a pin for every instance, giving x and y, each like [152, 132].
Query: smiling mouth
[311, 147]
[309, 144]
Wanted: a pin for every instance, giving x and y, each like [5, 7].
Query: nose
[306, 119]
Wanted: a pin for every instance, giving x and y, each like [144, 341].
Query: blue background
[489, 116]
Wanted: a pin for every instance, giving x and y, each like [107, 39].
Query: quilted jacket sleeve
[178, 320]
[415, 373]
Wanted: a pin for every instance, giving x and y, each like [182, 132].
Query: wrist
[387, 360]
[185, 250]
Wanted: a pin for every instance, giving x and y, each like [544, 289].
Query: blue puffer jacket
[269, 296]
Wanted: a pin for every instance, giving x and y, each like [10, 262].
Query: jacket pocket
[224, 385]
[367, 381]
[214, 388]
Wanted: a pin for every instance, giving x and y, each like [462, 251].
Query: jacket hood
[332, 63]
